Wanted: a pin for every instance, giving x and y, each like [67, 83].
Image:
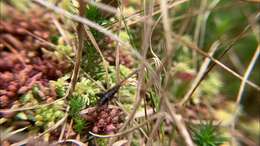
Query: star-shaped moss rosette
[206, 134]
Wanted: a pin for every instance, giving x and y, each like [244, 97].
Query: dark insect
[109, 94]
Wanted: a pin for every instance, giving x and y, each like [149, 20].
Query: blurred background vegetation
[235, 24]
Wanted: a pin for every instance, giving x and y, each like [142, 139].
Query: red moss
[105, 120]
[22, 63]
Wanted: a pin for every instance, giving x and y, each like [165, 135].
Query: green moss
[94, 14]
[212, 85]
[87, 90]
[35, 93]
[90, 60]
[102, 141]
[46, 117]
[79, 124]
[76, 103]
[61, 85]
[207, 135]
[27, 97]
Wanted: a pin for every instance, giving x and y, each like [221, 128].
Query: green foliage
[76, 103]
[47, 116]
[69, 5]
[127, 91]
[155, 100]
[102, 141]
[23, 5]
[184, 55]
[61, 85]
[128, 34]
[28, 97]
[21, 116]
[87, 90]
[91, 56]
[220, 24]
[211, 86]
[207, 135]
[44, 117]
[124, 36]
[83, 96]
[94, 14]
[101, 74]
[63, 50]
[55, 39]
[35, 92]
[79, 124]
[90, 60]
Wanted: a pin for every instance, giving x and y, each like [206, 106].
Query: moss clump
[46, 117]
[207, 135]
[77, 103]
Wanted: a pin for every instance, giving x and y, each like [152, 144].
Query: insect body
[109, 94]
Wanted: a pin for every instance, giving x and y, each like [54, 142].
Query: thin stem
[80, 30]
[200, 75]
[201, 52]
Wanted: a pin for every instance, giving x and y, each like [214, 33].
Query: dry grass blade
[95, 44]
[63, 130]
[6, 136]
[198, 50]
[167, 33]
[80, 33]
[81, 20]
[203, 69]
[142, 18]
[6, 111]
[120, 17]
[166, 56]
[95, 26]
[192, 90]
[169, 50]
[242, 85]
[134, 120]
[60, 29]
[180, 124]
[145, 45]
[247, 74]
[243, 138]
[155, 57]
[23, 142]
[154, 130]
[102, 6]
[236, 62]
